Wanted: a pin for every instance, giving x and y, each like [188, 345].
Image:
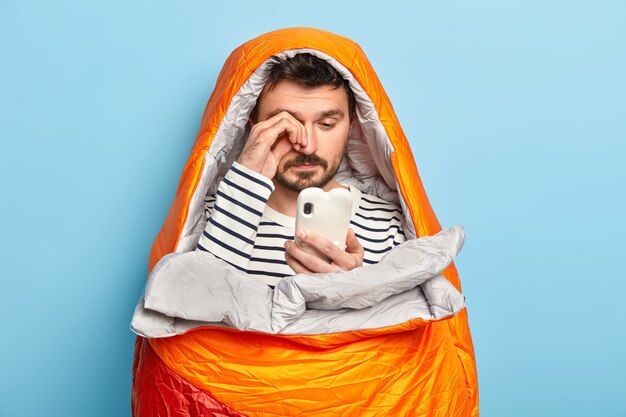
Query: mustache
[307, 159]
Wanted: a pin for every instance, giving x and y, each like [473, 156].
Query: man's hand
[270, 140]
[303, 262]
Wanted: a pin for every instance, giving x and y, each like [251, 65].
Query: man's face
[323, 111]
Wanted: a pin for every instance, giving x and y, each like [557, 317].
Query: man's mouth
[306, 162]
[305, 166]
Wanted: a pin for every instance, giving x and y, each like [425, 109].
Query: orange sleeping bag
[418, 367]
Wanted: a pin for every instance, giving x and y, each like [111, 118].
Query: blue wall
[516, 113]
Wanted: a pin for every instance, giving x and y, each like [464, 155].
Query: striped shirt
[249, 235]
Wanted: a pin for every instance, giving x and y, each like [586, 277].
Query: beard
[305, 179]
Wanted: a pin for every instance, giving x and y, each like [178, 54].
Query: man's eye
[327, 125]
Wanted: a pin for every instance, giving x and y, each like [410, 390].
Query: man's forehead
[334, 112]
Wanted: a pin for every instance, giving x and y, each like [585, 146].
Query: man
[298, 136]
[377, 340]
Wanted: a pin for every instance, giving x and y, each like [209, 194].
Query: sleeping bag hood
[389, 339]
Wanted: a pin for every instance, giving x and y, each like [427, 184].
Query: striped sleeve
[234, 214]
[378, 227]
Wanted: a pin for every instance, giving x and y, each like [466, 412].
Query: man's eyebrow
[329, 113]
[320, 115]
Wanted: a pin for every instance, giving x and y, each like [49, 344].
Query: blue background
[516, 114]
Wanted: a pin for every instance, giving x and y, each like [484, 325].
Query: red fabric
[157, 391]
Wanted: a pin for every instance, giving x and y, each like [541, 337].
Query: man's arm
[243, 193]
[234, 219]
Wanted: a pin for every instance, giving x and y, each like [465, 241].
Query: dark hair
[308, 70]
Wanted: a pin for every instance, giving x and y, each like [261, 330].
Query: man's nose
[311, 146]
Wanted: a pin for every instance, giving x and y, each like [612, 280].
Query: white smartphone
[325, 213]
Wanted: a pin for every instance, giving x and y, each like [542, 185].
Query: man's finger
[294, 264]
[308, 260]
[281, 148]
[301, 139]
[352, 243]
[273, 132]
[327, 248]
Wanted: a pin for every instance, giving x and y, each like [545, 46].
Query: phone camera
[308, 208]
